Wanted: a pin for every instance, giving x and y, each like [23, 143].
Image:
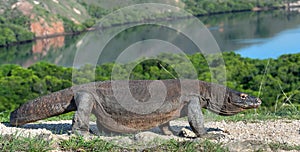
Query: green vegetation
[261, 114]
[79, 143]
[282, 146]
[12, 28]
[95, 11]
[199, 7]
[15, 143]
[275, 81]
[191, 146]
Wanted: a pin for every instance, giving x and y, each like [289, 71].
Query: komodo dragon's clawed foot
[186, 132]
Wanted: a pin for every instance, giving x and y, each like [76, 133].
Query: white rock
[76, 11]
[55, 1]
[36, 2]
[188, 133]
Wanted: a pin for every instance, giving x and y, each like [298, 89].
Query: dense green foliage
[198, 7]
[19, 84]
[14, 27]
[94, 11]
[274, 81]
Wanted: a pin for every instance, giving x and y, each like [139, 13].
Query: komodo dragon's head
[233, 103]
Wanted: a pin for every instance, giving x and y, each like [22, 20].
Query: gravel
[236, 135]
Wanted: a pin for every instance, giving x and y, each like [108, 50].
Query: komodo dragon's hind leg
[195, 116]
[84, 102]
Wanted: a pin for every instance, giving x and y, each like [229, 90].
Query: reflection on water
[252, 34]
[57, 50]
[42, 46]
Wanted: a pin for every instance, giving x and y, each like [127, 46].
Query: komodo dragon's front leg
[196, 119]
[195, 116]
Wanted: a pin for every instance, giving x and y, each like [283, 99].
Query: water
[251, 34]
[282, 43]
[259, 35]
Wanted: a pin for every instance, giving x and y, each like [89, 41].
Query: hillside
[23, 20]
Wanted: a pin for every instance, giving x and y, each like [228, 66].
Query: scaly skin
[180, 98]
[44, 107]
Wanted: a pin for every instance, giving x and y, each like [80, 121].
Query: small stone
[227, 132]
[187, 133]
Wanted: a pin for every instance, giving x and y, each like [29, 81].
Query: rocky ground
[238, 136]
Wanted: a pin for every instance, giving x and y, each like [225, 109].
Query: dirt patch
[41, 28]
[23, 6]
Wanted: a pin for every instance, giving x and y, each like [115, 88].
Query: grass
[15, 143]
[190, 146]
[280, 146]
[37, 144]
[262, 114]
[4, 116]
[252, 117]
[66, 116]
[80, 144]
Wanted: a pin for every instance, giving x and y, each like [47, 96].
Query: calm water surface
[259, 35]
[251, 34]
[284, 42]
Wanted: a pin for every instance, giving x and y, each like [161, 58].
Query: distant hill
[51, 17]
[75, 10]
[22, 20]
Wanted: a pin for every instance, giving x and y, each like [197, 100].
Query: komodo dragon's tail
[44, 107]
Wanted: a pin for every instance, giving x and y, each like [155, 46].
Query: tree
[9, 35]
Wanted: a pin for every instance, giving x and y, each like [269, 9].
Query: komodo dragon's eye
[243, 96]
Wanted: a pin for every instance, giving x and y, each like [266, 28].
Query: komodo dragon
[182, 98]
